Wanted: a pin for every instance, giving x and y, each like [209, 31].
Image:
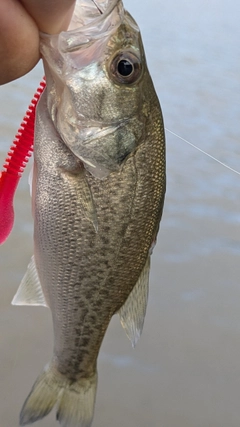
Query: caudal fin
[74, 400]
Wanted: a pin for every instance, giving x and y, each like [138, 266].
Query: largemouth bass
[98, 194]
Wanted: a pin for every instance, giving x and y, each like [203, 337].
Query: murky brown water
[185, 371]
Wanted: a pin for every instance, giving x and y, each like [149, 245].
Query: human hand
[20, 22]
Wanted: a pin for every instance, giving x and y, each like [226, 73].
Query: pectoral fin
[30, 290]
[88, 203]
[80, 183]
[132, 313]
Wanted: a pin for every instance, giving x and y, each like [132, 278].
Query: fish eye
[126, 68]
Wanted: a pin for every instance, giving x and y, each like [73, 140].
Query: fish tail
[76, 405]
[74, 399]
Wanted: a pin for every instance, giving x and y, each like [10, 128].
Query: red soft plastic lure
[14, 165]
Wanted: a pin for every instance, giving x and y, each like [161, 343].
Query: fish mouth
[91, 21]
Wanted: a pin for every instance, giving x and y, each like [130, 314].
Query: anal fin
[132, 313]
[30, 290]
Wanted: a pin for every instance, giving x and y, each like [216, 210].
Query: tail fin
[75, 400]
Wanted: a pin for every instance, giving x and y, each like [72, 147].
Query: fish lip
[73, 39]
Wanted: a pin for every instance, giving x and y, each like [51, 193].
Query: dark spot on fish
[85, 341]
[122, 157]
[106, 229]
[105, 240]
[88, 294]
[93, 319]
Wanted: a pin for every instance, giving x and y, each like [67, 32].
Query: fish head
[98, 85]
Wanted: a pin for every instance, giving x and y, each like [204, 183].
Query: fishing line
[204, 152]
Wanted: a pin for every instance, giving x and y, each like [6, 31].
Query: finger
[51, 16]
[19, 41]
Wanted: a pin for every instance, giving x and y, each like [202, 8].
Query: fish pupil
[125, 68]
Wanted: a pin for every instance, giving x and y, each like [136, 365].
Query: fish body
[98, 194]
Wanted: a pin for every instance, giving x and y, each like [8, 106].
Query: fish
[98, 191]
